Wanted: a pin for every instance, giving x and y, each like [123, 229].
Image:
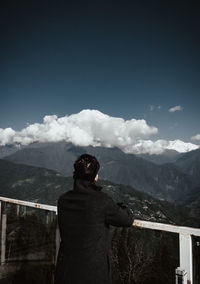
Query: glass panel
[143, 256]
[30, 245]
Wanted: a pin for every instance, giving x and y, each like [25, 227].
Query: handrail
[136, 223]
[29, 204]
[167, 227]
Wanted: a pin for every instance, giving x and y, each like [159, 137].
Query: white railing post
[185, 246]
[181, 276]
[3, 238]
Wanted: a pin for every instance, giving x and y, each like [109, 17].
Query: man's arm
[118, 215]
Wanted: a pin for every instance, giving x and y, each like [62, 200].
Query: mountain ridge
[166, 181]
[45, 186]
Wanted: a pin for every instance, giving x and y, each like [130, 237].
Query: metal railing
[185, 234]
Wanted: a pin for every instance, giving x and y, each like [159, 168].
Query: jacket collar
[85, 185]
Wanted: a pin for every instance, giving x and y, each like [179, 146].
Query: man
[84, 216]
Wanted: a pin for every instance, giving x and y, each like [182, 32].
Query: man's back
[84, 216]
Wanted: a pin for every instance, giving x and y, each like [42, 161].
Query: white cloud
[6, 136]
[181, 146]
[159, 146]
[196, 137]
[89, 127]
[175, 108]
[152, 107]
[92, 127]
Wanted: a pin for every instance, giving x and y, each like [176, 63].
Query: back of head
[86, 167]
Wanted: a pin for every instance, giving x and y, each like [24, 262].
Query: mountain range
[168, 156]
[169, 181]
[41, 172]
[45, 186]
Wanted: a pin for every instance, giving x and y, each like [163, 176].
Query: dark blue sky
[59, 57]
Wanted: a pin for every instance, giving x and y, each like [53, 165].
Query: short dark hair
[86, 167]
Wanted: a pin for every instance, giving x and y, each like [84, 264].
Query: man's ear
[96, 178]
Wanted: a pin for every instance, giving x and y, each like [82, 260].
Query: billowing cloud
[89, 127]
[196, 137]
[175, 108]
[92, 127]
[6, 136]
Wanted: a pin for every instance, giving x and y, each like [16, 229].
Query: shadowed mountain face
[30, 183]
[168, 156]
[190, 164]
[45, 186]
[8, 150]
[192, 202]
[54, 156]
[162, 181]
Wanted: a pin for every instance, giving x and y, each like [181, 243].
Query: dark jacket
[84, 216]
